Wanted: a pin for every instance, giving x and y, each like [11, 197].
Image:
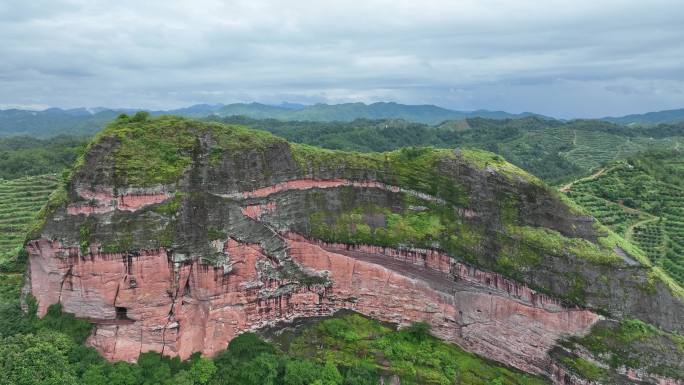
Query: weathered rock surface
[184, 266]
[145, 302]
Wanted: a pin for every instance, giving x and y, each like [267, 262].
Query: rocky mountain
[175, 236]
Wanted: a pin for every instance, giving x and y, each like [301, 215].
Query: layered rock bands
[144, 302]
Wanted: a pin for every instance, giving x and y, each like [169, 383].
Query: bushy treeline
[550, 149]
[25, 155]
[553, 150]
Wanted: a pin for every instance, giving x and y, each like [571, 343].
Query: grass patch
[586, 369]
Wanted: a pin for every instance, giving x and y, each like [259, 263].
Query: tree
[360, 375]
[36, 360]
[94, 375]
[202, 370]
[155, 371]
[249, 345]
[300, 373]
[418, 331]
[262, 370]
[330, 375]
[184, 378]
[123, 373]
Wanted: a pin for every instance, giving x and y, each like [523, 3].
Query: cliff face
[175, 236]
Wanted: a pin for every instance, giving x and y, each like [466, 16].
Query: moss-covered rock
[472, 205]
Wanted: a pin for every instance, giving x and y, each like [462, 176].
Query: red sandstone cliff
[229, 255]
[144, 302]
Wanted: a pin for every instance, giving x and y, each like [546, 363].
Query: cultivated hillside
[20, 201]
[650, 118]
[175, 236]
[553, 150]
[642, 198]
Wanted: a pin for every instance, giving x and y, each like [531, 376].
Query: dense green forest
[26, 156]
[650, 118]
[347, 112]
[52, 122]
[552, 150]
[81, 121]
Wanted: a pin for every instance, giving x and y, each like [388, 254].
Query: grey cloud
[559, 57]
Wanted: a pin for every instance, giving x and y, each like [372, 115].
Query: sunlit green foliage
[585, 369]
[416, 357]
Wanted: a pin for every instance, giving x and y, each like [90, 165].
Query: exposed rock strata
[225, 257]
[255, 211]
[104, 200]
[144, 302]
[311, 183]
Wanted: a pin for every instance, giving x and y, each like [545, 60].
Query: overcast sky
[566, 58]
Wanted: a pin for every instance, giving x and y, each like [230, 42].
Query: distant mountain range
[82, 121]
[348, 112]
[650, 118]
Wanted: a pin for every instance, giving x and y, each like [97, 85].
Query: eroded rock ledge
[104, 200]
[144, 302]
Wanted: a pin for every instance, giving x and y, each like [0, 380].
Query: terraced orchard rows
[642, 198]
[20, 200]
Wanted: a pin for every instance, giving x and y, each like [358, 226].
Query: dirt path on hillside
[630, 230]
[593, 176]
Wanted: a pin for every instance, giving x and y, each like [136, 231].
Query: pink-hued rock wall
[255, 211]
[144, 302]
[310, 183]
[104, 200]
[445, 264]
[476, 314]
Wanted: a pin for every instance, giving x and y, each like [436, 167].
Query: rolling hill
[553, 150]
[642, 198]
[650, 118]
[81, 121]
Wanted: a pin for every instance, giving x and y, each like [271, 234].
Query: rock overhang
[251, 213]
